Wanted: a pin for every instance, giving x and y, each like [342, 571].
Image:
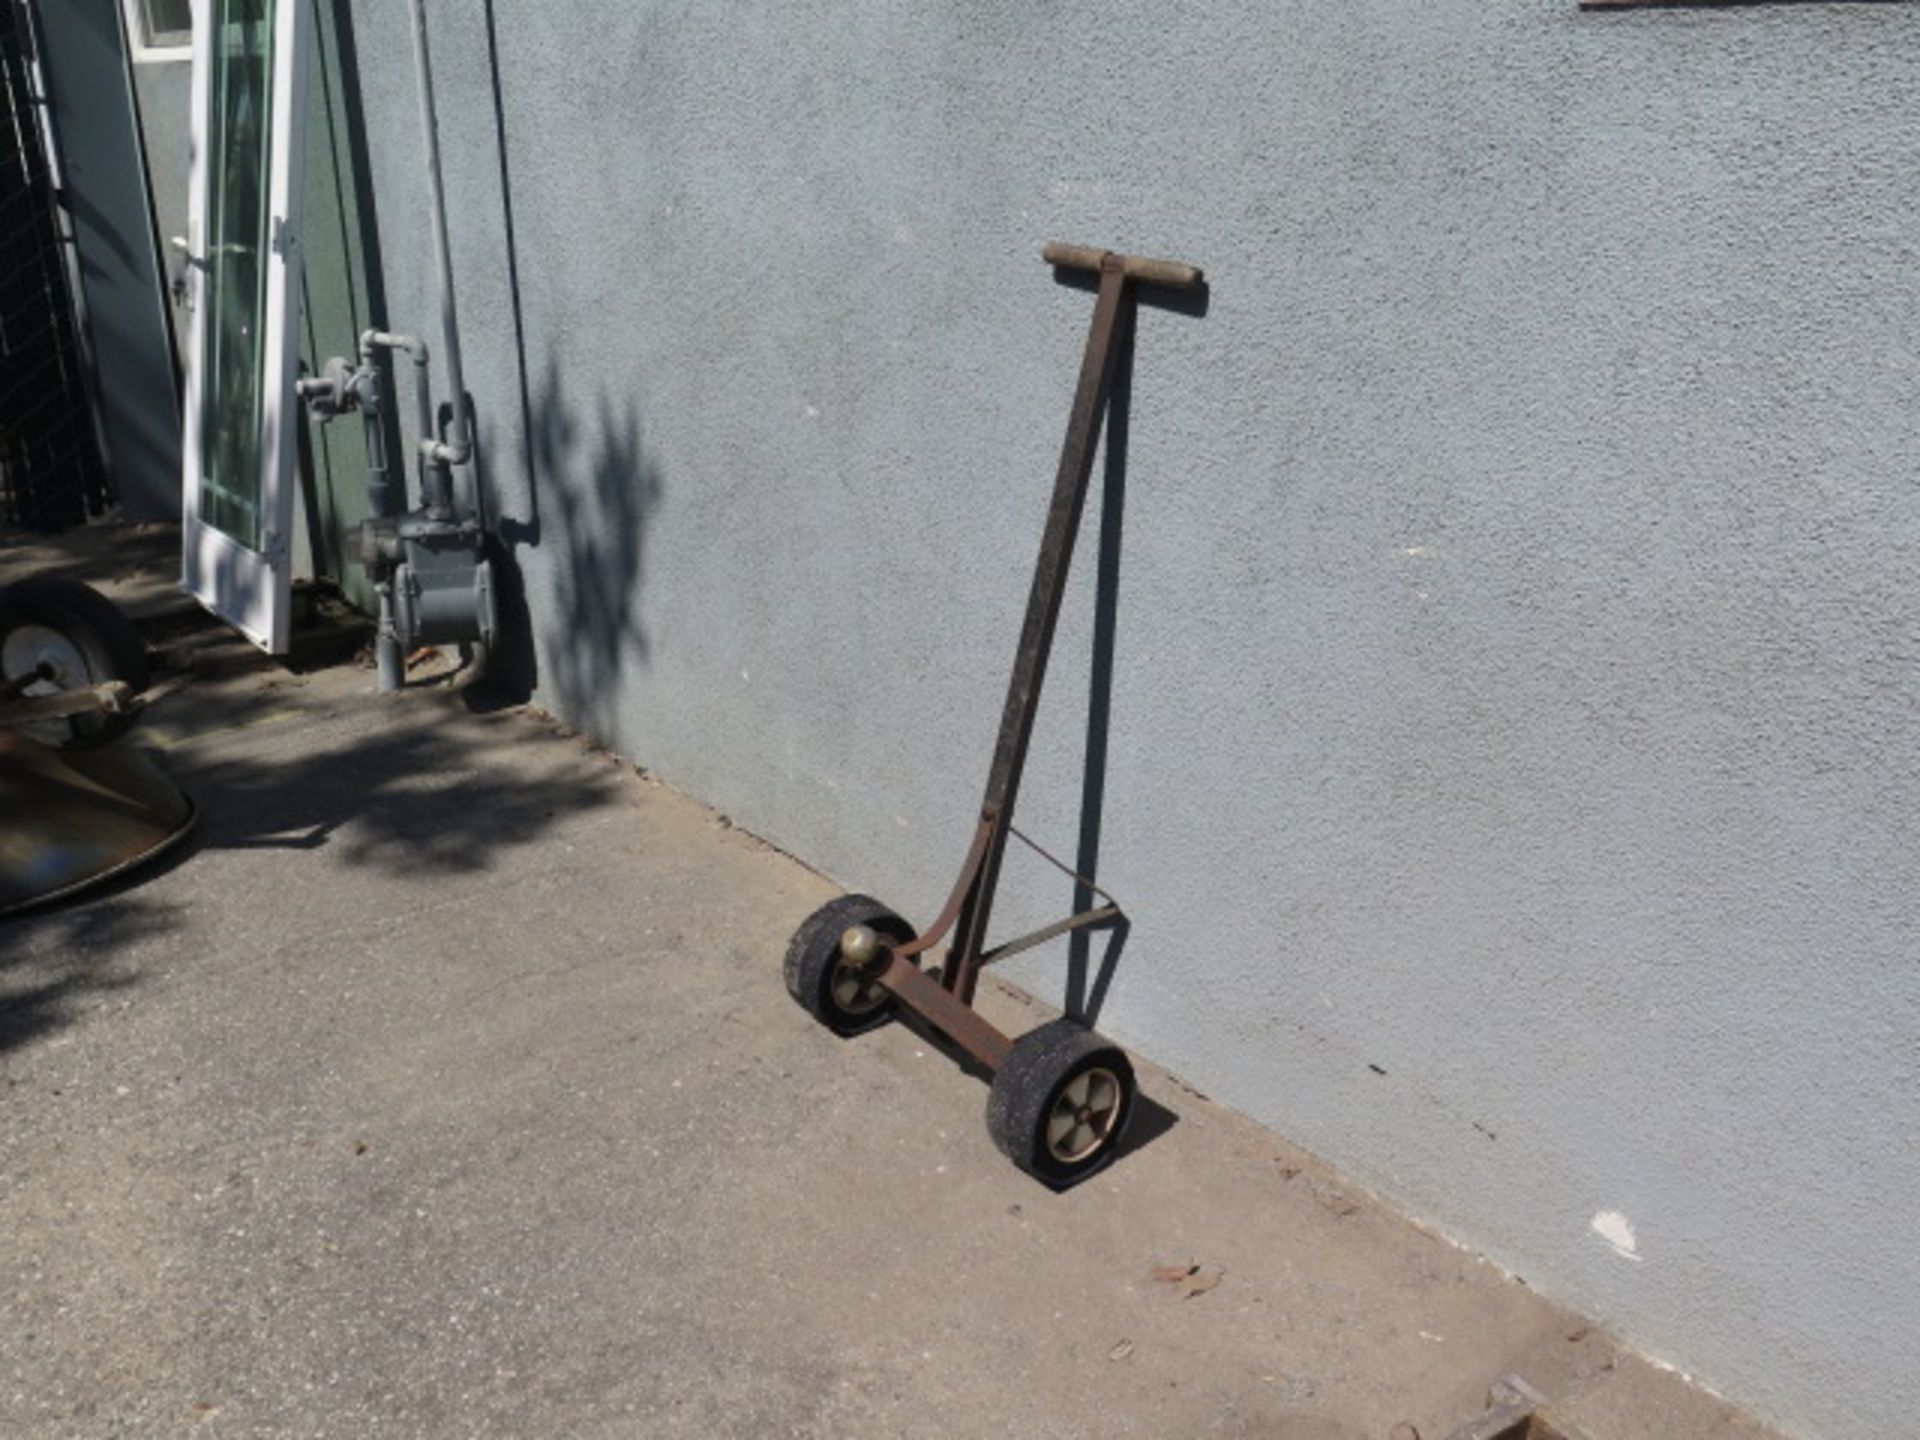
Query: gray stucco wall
[1514, 682]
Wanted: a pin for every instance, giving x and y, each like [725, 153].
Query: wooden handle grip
[1135, 267]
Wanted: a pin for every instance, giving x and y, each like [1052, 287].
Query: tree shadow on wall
[595, 627]
[592, 490]
[591, 475]
[513, 670]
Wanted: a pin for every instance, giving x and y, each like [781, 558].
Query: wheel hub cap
[1084, 1115]
[31, 648]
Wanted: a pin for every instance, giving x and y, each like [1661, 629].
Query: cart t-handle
[1174, 274]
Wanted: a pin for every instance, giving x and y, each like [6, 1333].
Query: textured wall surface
[1513, 683]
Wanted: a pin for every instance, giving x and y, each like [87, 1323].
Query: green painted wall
[340, 294]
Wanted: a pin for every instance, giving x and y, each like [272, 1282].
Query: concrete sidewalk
[446, 1085]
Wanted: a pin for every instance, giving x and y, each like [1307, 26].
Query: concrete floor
[446, 1085]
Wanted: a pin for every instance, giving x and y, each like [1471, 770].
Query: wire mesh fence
[51, 474]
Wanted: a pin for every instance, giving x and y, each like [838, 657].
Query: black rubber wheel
[1060, 1105]
[83, 638]
[827, 989]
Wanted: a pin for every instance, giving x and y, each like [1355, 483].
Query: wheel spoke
[1084, 1116]
[856, 992]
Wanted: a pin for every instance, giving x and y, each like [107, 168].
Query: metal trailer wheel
[72, 637]
[1060, 1105]
[836, 994]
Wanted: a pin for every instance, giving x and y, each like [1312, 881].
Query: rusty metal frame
[113, 697]
[110, 697]
[945, 1000]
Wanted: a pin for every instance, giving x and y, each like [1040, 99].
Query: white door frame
[251, 589]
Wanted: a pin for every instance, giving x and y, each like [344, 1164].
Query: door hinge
[284, 241]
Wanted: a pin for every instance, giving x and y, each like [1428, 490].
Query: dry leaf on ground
[1188, 1280]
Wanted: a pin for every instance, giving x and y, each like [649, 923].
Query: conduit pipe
[457, 446]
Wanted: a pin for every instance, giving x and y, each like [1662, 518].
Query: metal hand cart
[1061, 1095]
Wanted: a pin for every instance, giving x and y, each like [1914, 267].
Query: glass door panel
[248, 85]
[239, 146]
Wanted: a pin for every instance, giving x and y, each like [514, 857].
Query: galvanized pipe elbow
[372, 340]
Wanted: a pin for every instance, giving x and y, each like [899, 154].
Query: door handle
[177, 287]
[200, 262]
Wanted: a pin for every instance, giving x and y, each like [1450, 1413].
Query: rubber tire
[1025, 1088]
[814, 953]
[110, 646]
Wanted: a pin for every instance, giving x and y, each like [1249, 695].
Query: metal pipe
[386, 643]
[458, 446]
[416, 348]
[436, 486]
[380, 497]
